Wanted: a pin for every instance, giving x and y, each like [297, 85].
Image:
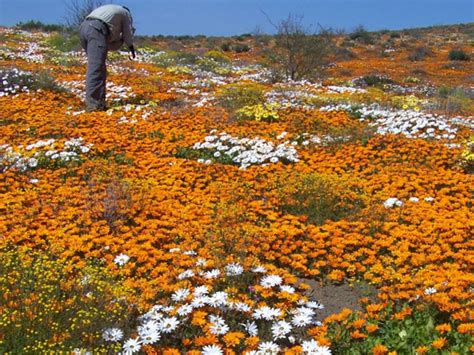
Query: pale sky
[227, 17]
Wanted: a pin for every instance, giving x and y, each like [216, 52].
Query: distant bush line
[40, 26]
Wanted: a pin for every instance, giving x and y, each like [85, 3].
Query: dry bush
[300, 53]
[77, 10]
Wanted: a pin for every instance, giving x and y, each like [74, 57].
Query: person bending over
[106, 28]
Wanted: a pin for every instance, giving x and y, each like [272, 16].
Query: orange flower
[232, 339]
[443, 328]
[171, 351]
[466, 328]
[358, 323]
[439, 343]
[379, 349]
[421, 350]
[371, 328]
[356, 334]
[252, 342]
[403, 313]
[186, 342]
[199, 318]
[205, 340]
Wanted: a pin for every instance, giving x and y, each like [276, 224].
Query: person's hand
[132, 54]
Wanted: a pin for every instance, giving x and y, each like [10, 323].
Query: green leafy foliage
[402, 328]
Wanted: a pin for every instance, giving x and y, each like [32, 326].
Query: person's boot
[94, 105]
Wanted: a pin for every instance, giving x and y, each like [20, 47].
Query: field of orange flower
[191, 216]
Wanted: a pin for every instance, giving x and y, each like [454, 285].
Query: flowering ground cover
[207, 209]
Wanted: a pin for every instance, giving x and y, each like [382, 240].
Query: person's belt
[103, 22]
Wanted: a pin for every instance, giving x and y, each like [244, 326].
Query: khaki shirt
[119, 22]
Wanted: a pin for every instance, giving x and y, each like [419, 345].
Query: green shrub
[237, 48]
[51, 306]
[458, 54]
[217, 56]
[319, 197]
[467, 156]
[45, 81]
[373, 81]
[453, 100]
[345, 54]
[172, 58]
[420, 53]
[62, 59]
[39, 26]
[14, 81]
[243, 37]
[211, 65]
[263, 112]
[235, 96]
[64, 41]
[362, 35]
[226, 47]
[240, 48]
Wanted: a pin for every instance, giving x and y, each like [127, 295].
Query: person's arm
[127, 34]
[114, 46]
[132, 51]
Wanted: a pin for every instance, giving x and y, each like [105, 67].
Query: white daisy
[186, 274]
[150, 338]
[168, 309]
[242, 307]
[219, 328]
[280, 329]
[309, 346]
[234, 269]
[218, 299]
[287, 288]
[268, 348]
[131, 346]
[392, 202]
[112, 334]
[301, 320]
[251, 328]
[212, 274]
[148, 327]
[430, 291]
[314, 304]
[185, 309]
[199, 301]
[322, 350]
[200, 290]
[266, 313]
[259, 269]
[270, 281]
[212, 350]
[180, 295]
[167, 325]
[121, 259]
[305, 311]
[201, 262]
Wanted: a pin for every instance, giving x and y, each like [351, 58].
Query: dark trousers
[93, 34]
